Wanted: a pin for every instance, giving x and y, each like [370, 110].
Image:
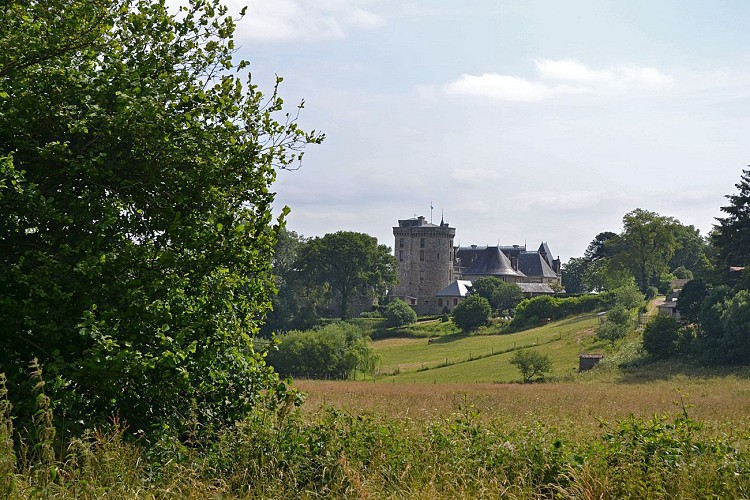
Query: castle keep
[433, 274]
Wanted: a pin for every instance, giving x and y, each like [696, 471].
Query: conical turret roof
[492, 262]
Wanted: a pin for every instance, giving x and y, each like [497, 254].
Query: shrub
[531, 363]
[471, 313]
[611, 330]
[619, 315]
[629, 296]
[399, 313]
[651, 292]
[711, 310]
[661, 336]
[336, 351]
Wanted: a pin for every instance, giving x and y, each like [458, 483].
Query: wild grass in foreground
[334, 453]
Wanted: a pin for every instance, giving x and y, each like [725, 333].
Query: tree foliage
[296, 304]
[501, 295]
[136, 232]
[691, 298]
[628, 296]
[661, 336]
[399, 313]
[732, 233]
[337, 351]
[600, 247]
[471, 313]
[573, 273]
[350, 263]
[736, 325]
[646, 245]
[531, 363]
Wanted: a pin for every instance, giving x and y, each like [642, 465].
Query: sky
[518, 121]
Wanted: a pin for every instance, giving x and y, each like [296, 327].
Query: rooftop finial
[431, 207]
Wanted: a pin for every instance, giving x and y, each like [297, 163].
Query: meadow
[424, 430]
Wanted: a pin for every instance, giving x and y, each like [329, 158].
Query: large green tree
[646, 245]
[731, 235]
[350, 263]
[600, 247]
[136, 231]
[295, 305]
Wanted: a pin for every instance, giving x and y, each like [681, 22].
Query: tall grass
[335, 453]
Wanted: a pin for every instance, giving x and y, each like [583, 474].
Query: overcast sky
[521, 121]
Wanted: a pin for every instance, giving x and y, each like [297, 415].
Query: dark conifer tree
[732, 233]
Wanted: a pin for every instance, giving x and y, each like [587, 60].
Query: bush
[399, 313]
[661, 336]
[619, 315]
[651, 292]
[612, 331]
[336, 351]
[628, 296]
[471, 313]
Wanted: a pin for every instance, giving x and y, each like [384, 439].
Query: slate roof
[544, 249]
[459, 288]
[491, 261]
[534, 264]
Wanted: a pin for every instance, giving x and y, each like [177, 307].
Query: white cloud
[285, 20]
[564, 77]
[508, 88]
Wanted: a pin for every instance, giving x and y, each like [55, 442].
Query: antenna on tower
[431, 207]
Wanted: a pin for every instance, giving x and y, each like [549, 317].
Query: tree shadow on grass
[667, 369]
[446, 339]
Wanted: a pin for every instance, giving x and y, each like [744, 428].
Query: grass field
[661, 430]
[485, 357]
[422, 381]
[720, 400]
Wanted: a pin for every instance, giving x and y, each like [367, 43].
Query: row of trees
[651, 249]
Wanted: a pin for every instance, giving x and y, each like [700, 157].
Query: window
[401, 243]
[421, 255]
[421, 275]
[438, 256]
[401, 255]
[440, 302]
[421, 243]
[455, 301]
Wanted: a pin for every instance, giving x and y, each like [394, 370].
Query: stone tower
[425, 262]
